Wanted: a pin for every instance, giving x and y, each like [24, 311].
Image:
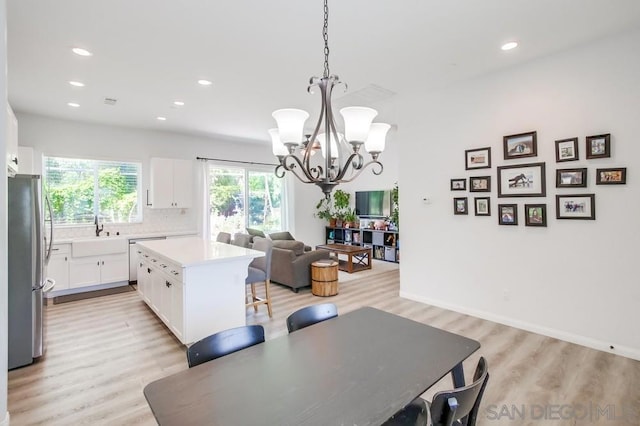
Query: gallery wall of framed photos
[572, 198]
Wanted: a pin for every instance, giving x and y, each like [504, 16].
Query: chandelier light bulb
[357, 121]
[377, 135]
[290, 124]
[335, 151]
[277, 147]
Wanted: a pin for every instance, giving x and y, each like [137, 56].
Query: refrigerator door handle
[48, 255]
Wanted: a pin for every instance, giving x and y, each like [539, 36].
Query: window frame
[96, 204]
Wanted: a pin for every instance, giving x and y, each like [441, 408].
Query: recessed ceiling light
[178, 103]
[73, 104]
[510, 45]
[161, 118]
[76, 83]
[80, 51]
[204, 82]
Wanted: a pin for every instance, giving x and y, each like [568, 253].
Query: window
[242, 198]
[81, 189]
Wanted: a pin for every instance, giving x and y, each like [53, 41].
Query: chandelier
[342, 160]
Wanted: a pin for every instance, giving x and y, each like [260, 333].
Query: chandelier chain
[325, 36]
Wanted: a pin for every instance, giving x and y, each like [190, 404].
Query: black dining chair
[224, 343]
[457, 407]
[311, 315]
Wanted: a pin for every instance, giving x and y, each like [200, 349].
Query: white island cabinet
[195, 286]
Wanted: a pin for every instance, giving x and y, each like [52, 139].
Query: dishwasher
[133, 256]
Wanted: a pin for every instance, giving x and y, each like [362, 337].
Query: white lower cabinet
[160, 286]
[58, 267]
[93, 270]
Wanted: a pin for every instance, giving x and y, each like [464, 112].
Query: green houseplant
[341, 204]
[395, 209]
[351, 219]
[323, 211]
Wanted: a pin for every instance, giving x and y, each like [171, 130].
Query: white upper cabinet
[171, 183]
[12, 142]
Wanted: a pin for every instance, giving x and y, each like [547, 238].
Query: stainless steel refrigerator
[29, 251]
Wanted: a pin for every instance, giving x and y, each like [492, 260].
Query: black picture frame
[535, 215]
[576, 206]
[611, 176]
[482, 206]
[567, 150]
[507, 214]
[459, 184]
[598, 146]
[460, 206]
[571, 178]
[480, 184]
[520, 145]
[478, 158]
[522, 180]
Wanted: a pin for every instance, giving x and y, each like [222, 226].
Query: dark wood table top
[356, 369]
[343, 248]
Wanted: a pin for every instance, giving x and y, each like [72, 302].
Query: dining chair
[260, 272]
[457, 407]
[311, 315]
[223, 237]
[224, 343]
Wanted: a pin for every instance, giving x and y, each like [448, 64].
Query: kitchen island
[195, 286]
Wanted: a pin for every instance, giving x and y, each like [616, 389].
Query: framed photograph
[459, 184]
[535, 215]
[507, 214]
[482, 206]
[615, 176]
[460, 206]
[480, 184]
[567, 150]
[477, 158]
[571, 178]
[523, 180]
[520, 145]
[599, 146]
[576, 206]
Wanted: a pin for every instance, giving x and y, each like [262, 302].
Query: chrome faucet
[98, 229]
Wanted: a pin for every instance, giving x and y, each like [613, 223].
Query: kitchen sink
[97, 246]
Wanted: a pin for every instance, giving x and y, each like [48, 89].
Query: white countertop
[193, 251]
[128, 236]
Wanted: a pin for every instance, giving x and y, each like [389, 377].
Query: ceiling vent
[110, 101]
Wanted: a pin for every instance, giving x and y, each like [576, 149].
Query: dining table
[359, 368]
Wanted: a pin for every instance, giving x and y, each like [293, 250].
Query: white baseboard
[628, 352]
[5, 421]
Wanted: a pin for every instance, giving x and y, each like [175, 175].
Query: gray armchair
[291, 265]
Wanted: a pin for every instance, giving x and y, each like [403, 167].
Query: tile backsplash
[154, 221]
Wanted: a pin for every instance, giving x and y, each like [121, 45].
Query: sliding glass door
[242, 198]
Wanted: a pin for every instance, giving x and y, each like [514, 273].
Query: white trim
[5, 421]
[600, 345]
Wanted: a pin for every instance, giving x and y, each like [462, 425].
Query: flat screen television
[373, 203]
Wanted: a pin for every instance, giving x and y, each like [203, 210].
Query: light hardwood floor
[102, 352]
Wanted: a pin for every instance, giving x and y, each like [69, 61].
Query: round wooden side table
[324, 278]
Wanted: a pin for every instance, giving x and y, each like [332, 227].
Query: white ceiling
[260, 54]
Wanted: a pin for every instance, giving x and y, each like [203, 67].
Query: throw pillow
[296, 246]
[256, 233]
[284, 235]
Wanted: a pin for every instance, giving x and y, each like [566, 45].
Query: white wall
[575, 279]
[4, 414]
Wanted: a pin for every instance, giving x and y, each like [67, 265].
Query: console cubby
[384, 244]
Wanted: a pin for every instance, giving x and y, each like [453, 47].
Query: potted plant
[323, 211]
[395, 209]
[351, 219]
[341, 205]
